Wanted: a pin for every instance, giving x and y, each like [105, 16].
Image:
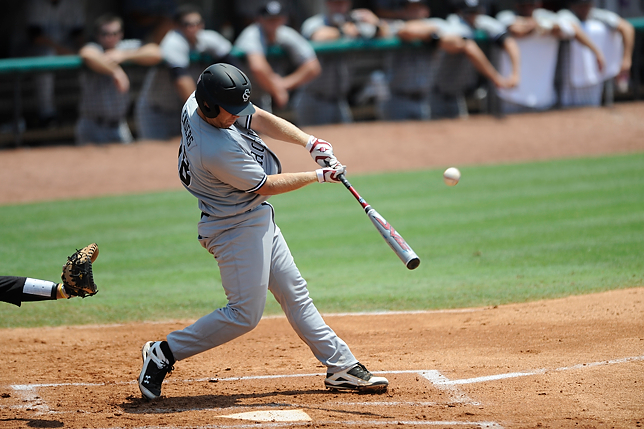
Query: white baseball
[451, 176]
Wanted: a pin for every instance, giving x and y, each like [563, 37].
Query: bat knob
[413, 263]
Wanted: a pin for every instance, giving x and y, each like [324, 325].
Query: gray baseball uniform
[159, 104]
[222, 168]
[325, 100]
[589, 95]
[455, 73]
[103, 109]
[298, 51]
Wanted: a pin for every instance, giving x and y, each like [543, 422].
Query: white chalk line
[28, 392]
[539, 371]
[482, 425]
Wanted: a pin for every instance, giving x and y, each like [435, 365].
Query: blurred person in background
[105, 86]
[326, 100]
[167, 86]
[538, 33]
[275, 79]
[148, 20]
[459, 57]
[54, 27]
[583, 82]
[408, 71]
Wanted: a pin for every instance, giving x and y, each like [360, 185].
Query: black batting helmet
[226, 86]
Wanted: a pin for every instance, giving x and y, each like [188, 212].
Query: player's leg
[289, 288]
[243, 256]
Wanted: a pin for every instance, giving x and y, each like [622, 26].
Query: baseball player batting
[229, 169]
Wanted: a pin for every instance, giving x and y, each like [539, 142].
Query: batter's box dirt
[221, 402]
[571, 362]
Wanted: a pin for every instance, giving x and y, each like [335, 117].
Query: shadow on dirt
[37, 423]
[179, 404]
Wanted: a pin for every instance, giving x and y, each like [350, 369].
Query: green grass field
[508, 233]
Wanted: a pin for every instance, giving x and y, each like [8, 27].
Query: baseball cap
[466, 5]
[272, 8]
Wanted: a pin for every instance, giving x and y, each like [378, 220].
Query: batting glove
[322, 152]
[330, 174]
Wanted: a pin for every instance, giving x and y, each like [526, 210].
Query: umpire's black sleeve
[12, 291]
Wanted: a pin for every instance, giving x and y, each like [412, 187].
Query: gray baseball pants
[254, 258]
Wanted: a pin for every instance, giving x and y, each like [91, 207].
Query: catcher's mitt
[77, 273]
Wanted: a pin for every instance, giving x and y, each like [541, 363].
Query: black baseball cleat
[157, 363]
[357, 378]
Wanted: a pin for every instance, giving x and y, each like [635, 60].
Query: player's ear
[215, 109]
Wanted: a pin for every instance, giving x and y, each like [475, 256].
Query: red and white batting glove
[322, 152]
[329, 174]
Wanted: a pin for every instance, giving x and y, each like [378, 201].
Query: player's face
[271, 24]
[581, 10]
[417, 11]
[191, 25]
[527, 8]
[224, 119]
[470, 16]
[110, 34]
[338, 6]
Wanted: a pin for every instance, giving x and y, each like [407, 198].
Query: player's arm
[146, 55]
[522, 26]
[270, 81]
[417, 29]
[306, 72]
[286, 182]
[101, 63]
[278, 128]
[184, 84]
[512, 48]
[627, 31]
[582, 37]
[326, 33]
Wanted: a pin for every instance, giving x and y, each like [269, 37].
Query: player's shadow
[37, 423]
[179, 404]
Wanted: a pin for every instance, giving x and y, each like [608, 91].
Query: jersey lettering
[258, 152]
[184, 166]
[187, 131]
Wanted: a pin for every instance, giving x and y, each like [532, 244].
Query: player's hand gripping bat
[395, 240]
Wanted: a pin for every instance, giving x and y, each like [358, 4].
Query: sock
[165, 348]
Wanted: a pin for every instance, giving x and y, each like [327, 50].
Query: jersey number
[184, 167]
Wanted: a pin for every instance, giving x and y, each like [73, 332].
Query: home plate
[272, 416]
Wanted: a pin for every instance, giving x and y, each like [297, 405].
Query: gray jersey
[545, 19]
[298, 50]
[494, 29]
[223, 167]
[57, 21]
[158, 89]
[100, 99]
[334, 82]
[610, 19]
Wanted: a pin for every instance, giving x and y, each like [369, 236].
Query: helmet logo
[246, 95]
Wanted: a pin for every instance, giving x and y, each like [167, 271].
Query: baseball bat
[393, 239]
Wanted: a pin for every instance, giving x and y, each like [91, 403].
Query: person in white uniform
[167, 86]
[225, 164]
[583, 82]
[277, 78]
[105, 86]
[538, 33]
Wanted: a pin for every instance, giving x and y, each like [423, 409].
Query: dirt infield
[573, 362]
